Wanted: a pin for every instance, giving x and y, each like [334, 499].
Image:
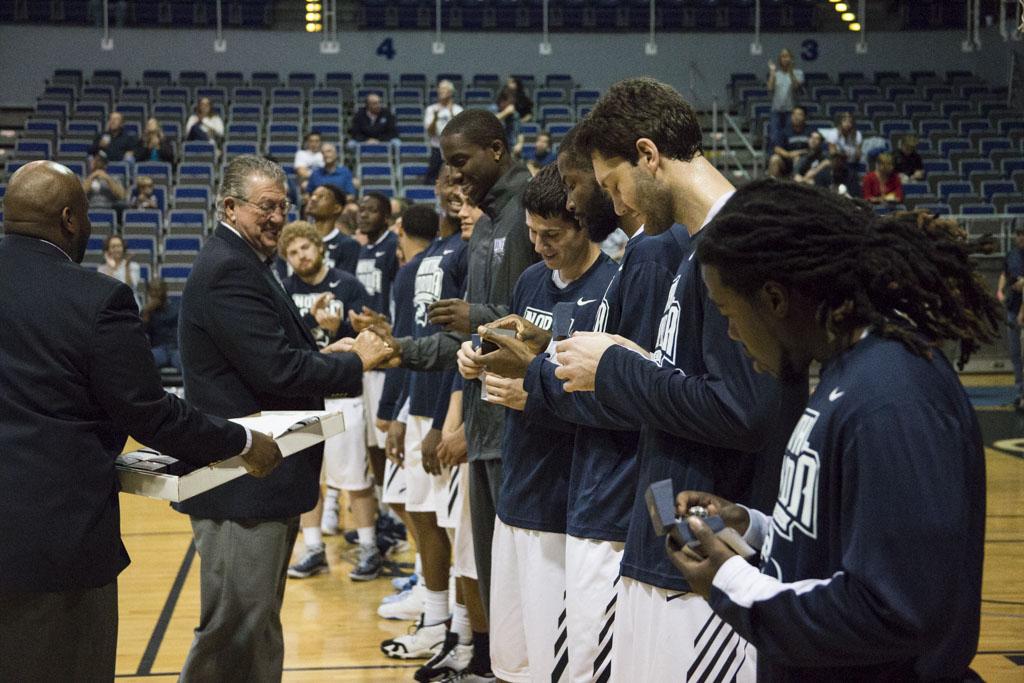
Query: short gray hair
[239, 173]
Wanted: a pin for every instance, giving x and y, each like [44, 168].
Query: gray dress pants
[243, 565]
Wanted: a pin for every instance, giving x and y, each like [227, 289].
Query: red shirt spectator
[882, 185]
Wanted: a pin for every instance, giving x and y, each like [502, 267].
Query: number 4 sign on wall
[386, 49]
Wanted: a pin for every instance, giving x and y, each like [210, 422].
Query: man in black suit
[245, 348]
[78, 377]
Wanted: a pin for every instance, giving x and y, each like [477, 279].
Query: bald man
[77, 378]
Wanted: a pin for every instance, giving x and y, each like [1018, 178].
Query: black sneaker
[451, 659]
[370, 562]
[313, 562]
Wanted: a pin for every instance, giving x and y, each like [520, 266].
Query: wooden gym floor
[332, 631]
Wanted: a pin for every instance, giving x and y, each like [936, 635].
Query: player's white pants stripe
[720, 652]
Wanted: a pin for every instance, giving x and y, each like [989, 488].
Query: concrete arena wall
[28, 55]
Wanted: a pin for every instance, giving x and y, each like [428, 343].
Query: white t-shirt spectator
[784, 95]
[310, 160]
[444, 115]
[848, 146]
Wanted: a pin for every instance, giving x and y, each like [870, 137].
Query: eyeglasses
[268, 208]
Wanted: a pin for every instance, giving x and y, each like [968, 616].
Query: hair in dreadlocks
[906, 274]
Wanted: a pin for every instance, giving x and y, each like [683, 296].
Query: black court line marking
[351, 667]
[1004, 540]
[160, 630]
[1003, 602]
[1000, 615]
[1005, 653]
[168, 533]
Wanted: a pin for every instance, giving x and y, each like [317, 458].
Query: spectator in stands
[160, 317]
[883, 186]
[118, 264]
[398, 207]
[542, 153]
[103, 190]
[845, 138]
[908, 163]
[205, 124]
[373, 123]
[143, 196]
[308, 158]
[784, 82]
[154, 145]
[435, 119]
[505, 110]
[794, 144]
[324, 209]
[116, 142]
[523, 103]
[814, 165]
[1009, 293]
[332, 172]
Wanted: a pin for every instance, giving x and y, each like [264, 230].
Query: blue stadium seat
[887, 128]
[550, 114]
[1007, 126]
[375, 176]
[103, 220]
[181, 248]
[989, 145]
[229, 79]
[198, 151]
[977, 209]
[294, 96]
[175, 276]
[558, 131]
[243, 131]
[186, 222]
[410, 113]
[142, 247]
[156, 78]
[477, 97]
[171, 111]
[217, 95]
[938, 166]
[57, 110]
[412, 174]
[76, 167]
[938, 209]
[159, 171]
[191, 197]
[991, 187]
[550, 96]
[148, 220]
[413, 153]
[72, 149]
[913, 189]
[325, 96]
[1008, 166]
[419, 193]
[266, 80]
[373, 153]
[99, 92]
[411, 132]
[278, 131]
[173, 94]
[303, 80]
[246, 95]
[407, 96]
[324, 112]
[235, 149]
[948, 188]
[969, 166]
[196, 173]
[947, 147]
[282, 151]
[1014, 209]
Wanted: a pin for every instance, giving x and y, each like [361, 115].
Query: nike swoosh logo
[447, 251]
[584, 302]
[835, 394]
[378, 253]
[334, 284]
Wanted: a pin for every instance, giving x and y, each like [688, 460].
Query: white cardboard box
[294, 430]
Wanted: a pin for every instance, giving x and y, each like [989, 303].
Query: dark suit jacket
[383, 129]
[244, 349]
[76, 377]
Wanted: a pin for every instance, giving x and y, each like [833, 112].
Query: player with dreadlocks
[871, 560]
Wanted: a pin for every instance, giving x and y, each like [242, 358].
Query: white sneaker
[422, 643]
[329, 520]
[408, 609]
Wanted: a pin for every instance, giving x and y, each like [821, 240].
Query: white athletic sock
[460, 624]
[331, 499]
[435, 607]
[419, 566]
[367, 535]
[313, 537]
